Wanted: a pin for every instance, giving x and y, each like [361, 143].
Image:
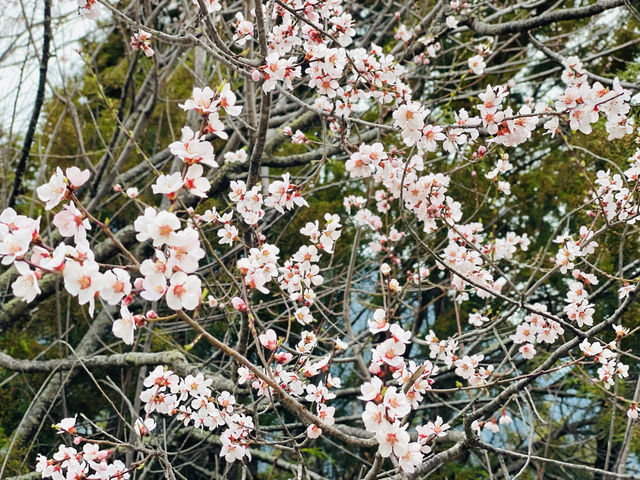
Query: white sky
[19, 80]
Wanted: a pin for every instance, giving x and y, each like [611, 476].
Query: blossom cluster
[301, 273]
[387, 406]
[607, 358]
[295, 377]
[615, 195]
[536, 329]
[89, 462]
[191, 401]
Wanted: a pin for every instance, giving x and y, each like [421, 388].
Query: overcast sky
[19, 79]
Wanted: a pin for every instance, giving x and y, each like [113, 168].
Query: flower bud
[139, 320]
[239, 304]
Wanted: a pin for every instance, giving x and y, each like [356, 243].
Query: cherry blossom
[192, 149]
[125, 326]
[54, 191]
[83, 281]
[141, 41]
[183, 291]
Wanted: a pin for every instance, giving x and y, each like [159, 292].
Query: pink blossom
[269, 339]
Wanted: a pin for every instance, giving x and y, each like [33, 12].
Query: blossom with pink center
[392, 438]
[116, 285]
[160, 227]
[195, 182]
[154, 287]
[142, 41]
[228, 98]
[201, 101]
[192, 149]
[71, 222]
[184, 291]
[313, 431]
[83, 281]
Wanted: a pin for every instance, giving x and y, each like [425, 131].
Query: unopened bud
[239, 304]
[139, 320]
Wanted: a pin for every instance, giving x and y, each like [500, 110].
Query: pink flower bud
[374, 368]
[239, 304]
[255, 75]
[137, 284]
[117, 188]
[139, 320]
[151, 315]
